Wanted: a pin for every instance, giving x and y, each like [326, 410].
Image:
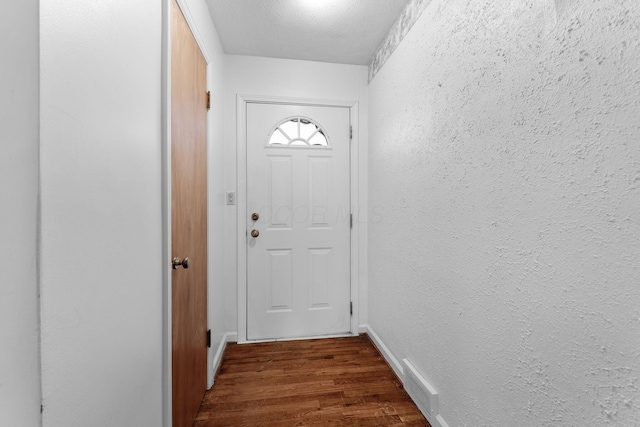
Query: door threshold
[314, 337]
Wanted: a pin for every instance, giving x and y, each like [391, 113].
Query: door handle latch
[177, 262]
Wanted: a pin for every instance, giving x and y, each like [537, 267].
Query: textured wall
[101, 250]
[505, 209]
[19, 350]
[398, 30]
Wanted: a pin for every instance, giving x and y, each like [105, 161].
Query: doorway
[188, 221]
[298, 220]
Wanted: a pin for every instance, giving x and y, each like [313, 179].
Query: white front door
[298, 221]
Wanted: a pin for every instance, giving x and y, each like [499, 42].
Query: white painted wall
[101, 252]
[291, 79]
[215, 137]
[217, 244]
[19, 334]
[505, 210]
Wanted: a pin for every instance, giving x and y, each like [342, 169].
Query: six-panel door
[298, 278]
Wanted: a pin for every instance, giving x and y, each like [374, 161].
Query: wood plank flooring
[324, 382]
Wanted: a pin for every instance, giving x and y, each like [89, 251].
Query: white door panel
[298, 268]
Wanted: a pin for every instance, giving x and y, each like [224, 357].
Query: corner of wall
[217, 358]
[434, 418]
[419, 390]
[386, 353]
[398, 30]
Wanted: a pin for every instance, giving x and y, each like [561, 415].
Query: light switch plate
[231, 198]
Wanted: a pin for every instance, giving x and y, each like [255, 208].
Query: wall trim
[217, 358]
[167, 390]
[386, 353]
[188, 16]
[396, 34]
[397, 367]
[441, 422]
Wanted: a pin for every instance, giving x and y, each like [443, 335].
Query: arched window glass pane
[290, 128]
[278, 138]
[298, 132]
[318, 139]
[307, 129]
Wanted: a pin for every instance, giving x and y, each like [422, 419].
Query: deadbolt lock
[255, 216]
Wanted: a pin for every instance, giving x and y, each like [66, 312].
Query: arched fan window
[298, 132]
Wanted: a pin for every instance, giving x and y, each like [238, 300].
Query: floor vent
[422, 393]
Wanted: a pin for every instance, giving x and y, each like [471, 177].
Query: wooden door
[188, 221]
[298, 258]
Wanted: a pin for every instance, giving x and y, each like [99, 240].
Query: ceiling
[339, 31]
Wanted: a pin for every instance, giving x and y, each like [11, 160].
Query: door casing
[241, 198]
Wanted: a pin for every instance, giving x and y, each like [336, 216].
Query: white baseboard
[386, 353]
[441, 421]
[397, 367]
[231, 337]
[217, 358]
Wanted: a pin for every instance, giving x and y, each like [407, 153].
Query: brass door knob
[177, 262]
[255, 233]
[255, 216]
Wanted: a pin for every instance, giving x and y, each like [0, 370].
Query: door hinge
[350, 220]
[208, 338]
[350, 133]
[351, 308]
[208, 100]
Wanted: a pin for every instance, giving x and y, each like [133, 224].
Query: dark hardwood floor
[324, 382]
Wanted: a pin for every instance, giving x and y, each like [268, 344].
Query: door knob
[255, 216]
[255, 233]
[177, 262]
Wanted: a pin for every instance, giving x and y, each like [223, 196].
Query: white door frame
[241, 198]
